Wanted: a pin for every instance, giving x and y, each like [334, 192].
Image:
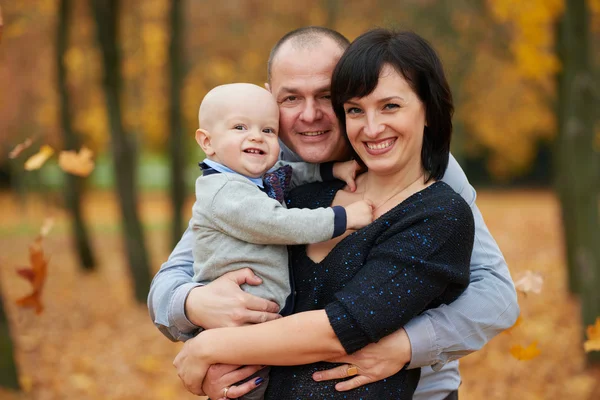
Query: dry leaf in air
[530, 282]
[19, 148]
[36, 275]
[525, 353]
[46, 227]
[593, 337]
[79, 164]
[38, 159]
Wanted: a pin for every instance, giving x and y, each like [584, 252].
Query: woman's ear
[203, 140]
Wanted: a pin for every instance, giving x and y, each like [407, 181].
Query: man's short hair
[356, 75]
[306, 37]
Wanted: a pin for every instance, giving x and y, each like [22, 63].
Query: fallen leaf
[79, 164]
[38, 159]
[19, 148]
[36, 275]
[525, 353]
[517, 323]
[530, 282]
[593, 336]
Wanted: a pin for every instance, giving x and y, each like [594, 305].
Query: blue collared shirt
[222, 168]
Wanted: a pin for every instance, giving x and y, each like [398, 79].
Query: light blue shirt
[223, 168]
[439, 337]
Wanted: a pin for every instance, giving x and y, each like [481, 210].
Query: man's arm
[179, 306]
[486, 308]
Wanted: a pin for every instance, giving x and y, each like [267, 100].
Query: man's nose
[373, 126]
[311, 112]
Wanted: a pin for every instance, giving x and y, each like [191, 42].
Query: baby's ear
[203, 140]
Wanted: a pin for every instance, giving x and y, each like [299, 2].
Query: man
[300, 68]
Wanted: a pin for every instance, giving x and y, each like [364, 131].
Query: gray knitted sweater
[236, 225]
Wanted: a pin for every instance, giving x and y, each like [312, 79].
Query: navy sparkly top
[414, 257]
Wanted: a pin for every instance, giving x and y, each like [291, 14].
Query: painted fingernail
[258, 381]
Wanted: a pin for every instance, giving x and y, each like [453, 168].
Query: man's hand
[347, 171]
[221, 376]
[375, 362]
[222, 303]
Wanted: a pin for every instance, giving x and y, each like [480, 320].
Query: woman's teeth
[381, 145]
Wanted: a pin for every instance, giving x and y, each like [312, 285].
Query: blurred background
[124, 79]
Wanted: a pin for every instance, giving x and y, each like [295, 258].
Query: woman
[391, 96]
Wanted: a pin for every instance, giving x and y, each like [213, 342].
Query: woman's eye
[353, 110]
[391, 106]
[239, 127]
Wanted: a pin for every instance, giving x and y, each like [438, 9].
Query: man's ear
[203, 140]
[268, 87]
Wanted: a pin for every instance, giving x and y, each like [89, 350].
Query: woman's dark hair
[357, 75]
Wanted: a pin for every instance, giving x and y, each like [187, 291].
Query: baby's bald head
[234, 97]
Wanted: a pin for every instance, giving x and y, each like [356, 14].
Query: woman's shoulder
[313, 195]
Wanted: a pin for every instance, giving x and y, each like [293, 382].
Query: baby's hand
[359, 214]
[346, 171]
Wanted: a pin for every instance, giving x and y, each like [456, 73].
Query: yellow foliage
[525, 353]
[593, 337]
[38, 159]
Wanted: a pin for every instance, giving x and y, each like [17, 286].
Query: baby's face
[244, 136]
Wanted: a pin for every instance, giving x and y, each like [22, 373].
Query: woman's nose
[372, 126]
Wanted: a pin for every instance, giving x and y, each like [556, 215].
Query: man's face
[300, 82]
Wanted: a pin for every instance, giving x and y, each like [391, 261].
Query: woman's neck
[392, 188]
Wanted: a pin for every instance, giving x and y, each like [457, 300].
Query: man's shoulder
[314, 195]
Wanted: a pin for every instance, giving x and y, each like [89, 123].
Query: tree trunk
[8, 377]
[176, 125]
[577, 164]
[73, 187]
[106, 15]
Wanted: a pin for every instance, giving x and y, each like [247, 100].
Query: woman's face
[386, 127]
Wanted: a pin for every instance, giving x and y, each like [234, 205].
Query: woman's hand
[221, 376]
[375, 362]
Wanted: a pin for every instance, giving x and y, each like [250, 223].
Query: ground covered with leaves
[92, 341]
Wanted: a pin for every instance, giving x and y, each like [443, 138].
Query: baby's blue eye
[269, 130]
[239, 127]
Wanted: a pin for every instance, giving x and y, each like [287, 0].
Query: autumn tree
[577, 161]
[73, 184]
[175, 118]
[106, 16]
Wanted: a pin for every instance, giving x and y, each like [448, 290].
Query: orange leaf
[593, 335]
[46, 227]
[530, 282]
[36, 275]
[19, 148]
[517, 323]
[525, 353]
[79, 164]
[38, 159]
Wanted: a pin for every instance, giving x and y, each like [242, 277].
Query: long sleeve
[169, 290]
[487, 307]
[240, 210]
[421, 261]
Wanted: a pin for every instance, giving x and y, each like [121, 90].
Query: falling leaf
[19, 148]
[36, 275]
[46, 227]
[79, 164]
[525, 353]
[517, 323]
[38, 159]
[593, 336]
[530, 282]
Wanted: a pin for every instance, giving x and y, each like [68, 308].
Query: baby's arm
[241, 210]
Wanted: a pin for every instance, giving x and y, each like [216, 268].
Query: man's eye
[239, 127]
[326, 97]
[290, 99]
[353, 110]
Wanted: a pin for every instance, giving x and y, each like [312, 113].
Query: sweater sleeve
[241, 210]
[413, 266]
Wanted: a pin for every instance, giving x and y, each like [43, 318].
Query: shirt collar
[222, 168]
